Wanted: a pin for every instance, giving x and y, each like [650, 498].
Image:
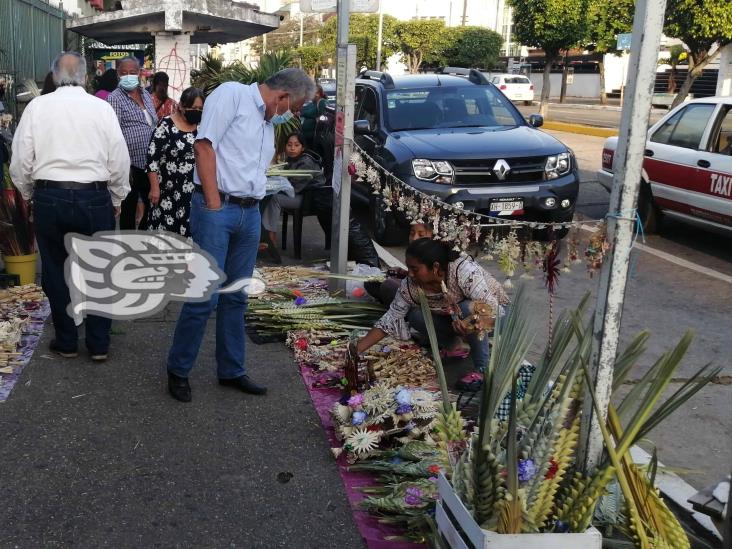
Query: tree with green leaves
[676, 54]
[606, 19]
[420, 40]
[363, 31]
[287, 35]
[311, 59]
[471, 47]
[705, 26]
[553, 26]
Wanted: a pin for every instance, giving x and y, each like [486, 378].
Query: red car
[687, 170]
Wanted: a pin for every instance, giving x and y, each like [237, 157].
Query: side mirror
[536, 120]
[362, 127]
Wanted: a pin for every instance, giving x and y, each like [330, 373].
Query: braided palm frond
[542, 506]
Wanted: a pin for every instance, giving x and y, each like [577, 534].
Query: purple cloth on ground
[28, 343]
[373, 532]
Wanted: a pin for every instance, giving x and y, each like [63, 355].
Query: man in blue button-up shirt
[234, 146]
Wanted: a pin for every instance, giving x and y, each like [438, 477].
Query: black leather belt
[231, 199]
[70, 185]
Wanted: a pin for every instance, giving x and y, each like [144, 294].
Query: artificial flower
[356, 400]
[362, 441]
[300, 301]
[434, 469]
[297, 293]
[342, 414]
[404, 409]
[526, 470]
[413, 496]
[552, 471]
[358, 417]
[301, 344]
[404, 397]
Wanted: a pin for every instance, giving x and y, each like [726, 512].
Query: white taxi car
[687, 170]
[516, 87]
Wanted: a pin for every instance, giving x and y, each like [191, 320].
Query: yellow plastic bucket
[22, 265]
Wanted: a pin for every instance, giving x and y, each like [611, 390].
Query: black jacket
[306, 161]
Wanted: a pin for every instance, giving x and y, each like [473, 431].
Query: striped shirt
[136, 126]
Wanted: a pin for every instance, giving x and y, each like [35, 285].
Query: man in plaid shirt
[136, 114]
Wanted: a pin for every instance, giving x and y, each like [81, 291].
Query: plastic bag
[278, 184]
[355, 288]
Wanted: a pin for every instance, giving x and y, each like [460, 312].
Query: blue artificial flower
[404, 409]
[300, 301]
[358, 417]
[386, 349]
[526, 470]
[404, 397]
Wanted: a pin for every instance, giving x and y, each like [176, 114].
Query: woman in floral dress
[170, 163]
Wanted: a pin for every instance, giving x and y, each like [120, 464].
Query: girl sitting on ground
[432, 264]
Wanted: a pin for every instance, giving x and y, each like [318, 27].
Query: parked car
[329, 88]
[516, 87]
[460, 139]
[687, 169]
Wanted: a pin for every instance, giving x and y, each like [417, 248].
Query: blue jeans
[479, 349]
[231, 235]
[58, 212]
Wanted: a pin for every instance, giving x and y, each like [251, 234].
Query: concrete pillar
[172, 56]
[724, 80]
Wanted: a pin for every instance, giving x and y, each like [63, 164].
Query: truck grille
[480, 172]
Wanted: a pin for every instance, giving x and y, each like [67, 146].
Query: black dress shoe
[179, 388]
[245, 384]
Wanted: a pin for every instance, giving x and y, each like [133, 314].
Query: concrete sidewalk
[101, 456]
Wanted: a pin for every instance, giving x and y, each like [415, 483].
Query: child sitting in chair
[298, 158]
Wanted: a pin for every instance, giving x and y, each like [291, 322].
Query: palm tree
[214, 72]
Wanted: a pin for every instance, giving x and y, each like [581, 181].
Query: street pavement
[575, 111]
[100, 455]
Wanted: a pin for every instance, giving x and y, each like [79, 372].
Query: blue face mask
[283, 118]
[129, 82]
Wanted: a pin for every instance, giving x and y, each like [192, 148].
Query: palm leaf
[436, 359]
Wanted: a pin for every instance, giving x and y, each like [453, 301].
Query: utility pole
[301, 23]
[380, 35]
[345, 90]
[465, 12]
[628, 165]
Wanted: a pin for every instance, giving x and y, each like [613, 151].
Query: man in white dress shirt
[70, 157]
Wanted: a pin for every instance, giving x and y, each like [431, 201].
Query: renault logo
[501, 168]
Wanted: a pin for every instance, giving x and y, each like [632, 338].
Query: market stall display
[504, 476]
[23, 310]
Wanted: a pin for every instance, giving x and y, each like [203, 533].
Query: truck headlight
[439, 171]
[557, 165]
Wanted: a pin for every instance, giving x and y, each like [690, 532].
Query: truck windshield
[450, 107]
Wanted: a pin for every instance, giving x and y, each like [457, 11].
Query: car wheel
[649, 213]
[387, 230]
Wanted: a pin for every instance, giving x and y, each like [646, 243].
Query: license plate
[506, 206]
